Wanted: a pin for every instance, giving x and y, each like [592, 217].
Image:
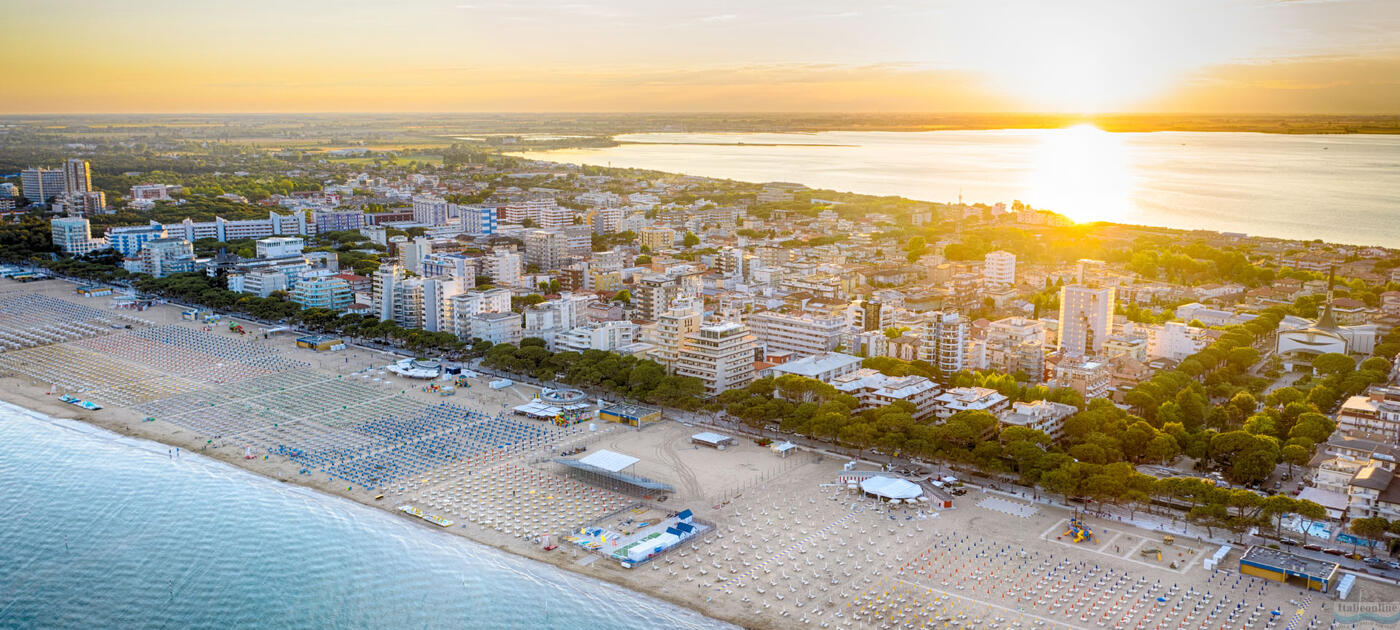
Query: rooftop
[1284, 560]
[817, 364]
[609, 461]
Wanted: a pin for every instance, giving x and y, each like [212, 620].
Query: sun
[1083, 173]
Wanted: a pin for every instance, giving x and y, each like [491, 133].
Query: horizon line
[697, 113]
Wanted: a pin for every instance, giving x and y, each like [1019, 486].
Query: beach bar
[321, 343]
[633, 415]
[1282, 566]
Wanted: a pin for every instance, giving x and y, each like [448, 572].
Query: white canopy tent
[609, 461]
[891, 488]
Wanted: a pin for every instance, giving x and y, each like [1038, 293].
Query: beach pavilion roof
[609, 461]
[891, 488]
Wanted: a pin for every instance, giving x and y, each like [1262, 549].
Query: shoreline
[48, 410]
[37, 398]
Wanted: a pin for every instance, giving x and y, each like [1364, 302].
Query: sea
[1339, 188]
[99, 530]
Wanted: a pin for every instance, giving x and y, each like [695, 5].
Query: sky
[1168, 56]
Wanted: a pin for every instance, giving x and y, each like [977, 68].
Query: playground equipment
[1079, 531]
[235, 327]
[441, 390]
[569, 417]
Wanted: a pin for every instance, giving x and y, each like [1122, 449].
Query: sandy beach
[787, 546]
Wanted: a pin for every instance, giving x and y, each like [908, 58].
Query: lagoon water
[102, 531]
[1340, 188]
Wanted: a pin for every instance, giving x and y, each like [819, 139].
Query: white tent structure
[609, 461]
[891, 488]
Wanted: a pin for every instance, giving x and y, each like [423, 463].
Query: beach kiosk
[1282, 566]
[712, 440]
[321, 343]
[94, 290]
[632, 415]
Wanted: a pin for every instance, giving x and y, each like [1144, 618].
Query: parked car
[1373, 561]
[1288, 541]
[1312, 547]
[1334, 551]
[1278, 485]
[1393, 564]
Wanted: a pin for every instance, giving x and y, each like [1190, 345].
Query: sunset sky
[1260, 56]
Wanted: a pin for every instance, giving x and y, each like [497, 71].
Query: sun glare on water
[1082, 173]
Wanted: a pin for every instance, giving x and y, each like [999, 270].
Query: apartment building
[1016, 345]
[971, 399]
[503, 266]
[873, 390]
[323, 291]
[129, 240]
[944, 339]
[551, 318]
[667, 333]
[1086, 318]
[825, 367]
[222, 230]
[657, 238]
[337, 220]
[162, 257]
[545, 249]
[1375, 415]
[720, 355]
[653, 293]
[73, 235]
[999, 268]
[613, 336]
[1091, 377]
[431, 211]
[1040, 415]
[800, 334]
[468, 304]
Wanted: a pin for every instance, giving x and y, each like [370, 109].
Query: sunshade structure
[891, 488]
[609, 461]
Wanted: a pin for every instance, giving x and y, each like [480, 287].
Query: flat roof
[711, 438]
[609, 461]
[816, 364]
[629, 410]
[1280, 560]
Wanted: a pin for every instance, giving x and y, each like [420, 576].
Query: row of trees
[623, 376]
[370, 328]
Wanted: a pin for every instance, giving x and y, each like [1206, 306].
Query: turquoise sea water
[102, 531]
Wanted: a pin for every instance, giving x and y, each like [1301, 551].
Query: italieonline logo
[1373, 614]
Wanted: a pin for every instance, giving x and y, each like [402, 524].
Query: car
[1393, 564]
[1373, 561]
[1278, 485]
[1312, 547]
[1288, 541]
[1334, 551]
